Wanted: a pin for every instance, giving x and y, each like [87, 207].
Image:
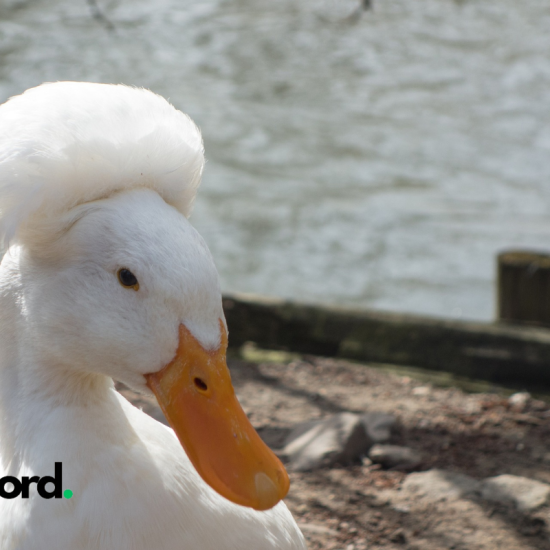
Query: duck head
[95, 185]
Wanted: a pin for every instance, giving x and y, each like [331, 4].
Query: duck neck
[32, 392]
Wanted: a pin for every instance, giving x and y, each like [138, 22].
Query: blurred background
[376, 159]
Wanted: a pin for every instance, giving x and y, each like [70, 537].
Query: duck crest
[67, 143]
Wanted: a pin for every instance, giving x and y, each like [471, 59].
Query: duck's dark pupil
[127, 278]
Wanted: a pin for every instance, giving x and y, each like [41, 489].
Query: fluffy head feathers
[68, 143]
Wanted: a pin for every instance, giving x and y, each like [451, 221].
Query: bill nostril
[200, 384]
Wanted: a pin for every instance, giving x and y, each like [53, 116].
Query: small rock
[378, 426]
[518, 401]
[524, 493]
[421, 390]
[398, 536]
[471, 406]
[340, 438]
[402, 509]
[394, 456]
[317, 529]
[366, 461]
[435, 485]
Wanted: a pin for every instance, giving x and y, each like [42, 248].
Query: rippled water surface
[375, 161]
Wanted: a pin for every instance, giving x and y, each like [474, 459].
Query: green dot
[67, 493]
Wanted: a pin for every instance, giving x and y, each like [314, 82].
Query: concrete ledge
[496, 352]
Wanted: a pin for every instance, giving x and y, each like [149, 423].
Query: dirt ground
[358, 507]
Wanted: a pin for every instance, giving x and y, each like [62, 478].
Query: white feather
[68, 143]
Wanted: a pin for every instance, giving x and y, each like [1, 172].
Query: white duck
[105, 278]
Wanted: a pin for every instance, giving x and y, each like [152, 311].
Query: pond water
[379, 160]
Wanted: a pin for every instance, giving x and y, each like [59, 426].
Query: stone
[398, 536]
[378, 426]
[518, 401]
[337, 439]
[317, 529]
[436, 485]
[524, 493]
[366, 461]
[394, 456]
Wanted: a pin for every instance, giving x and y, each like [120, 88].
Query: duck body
[103, 193]
[134, 488]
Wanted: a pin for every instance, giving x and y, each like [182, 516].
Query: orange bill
[196, 395]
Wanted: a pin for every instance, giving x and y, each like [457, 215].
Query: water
[376, 162]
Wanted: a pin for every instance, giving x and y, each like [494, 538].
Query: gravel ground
[362, 506]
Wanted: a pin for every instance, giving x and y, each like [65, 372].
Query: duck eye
[127, 279]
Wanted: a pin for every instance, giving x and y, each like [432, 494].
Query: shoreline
[497, 352]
